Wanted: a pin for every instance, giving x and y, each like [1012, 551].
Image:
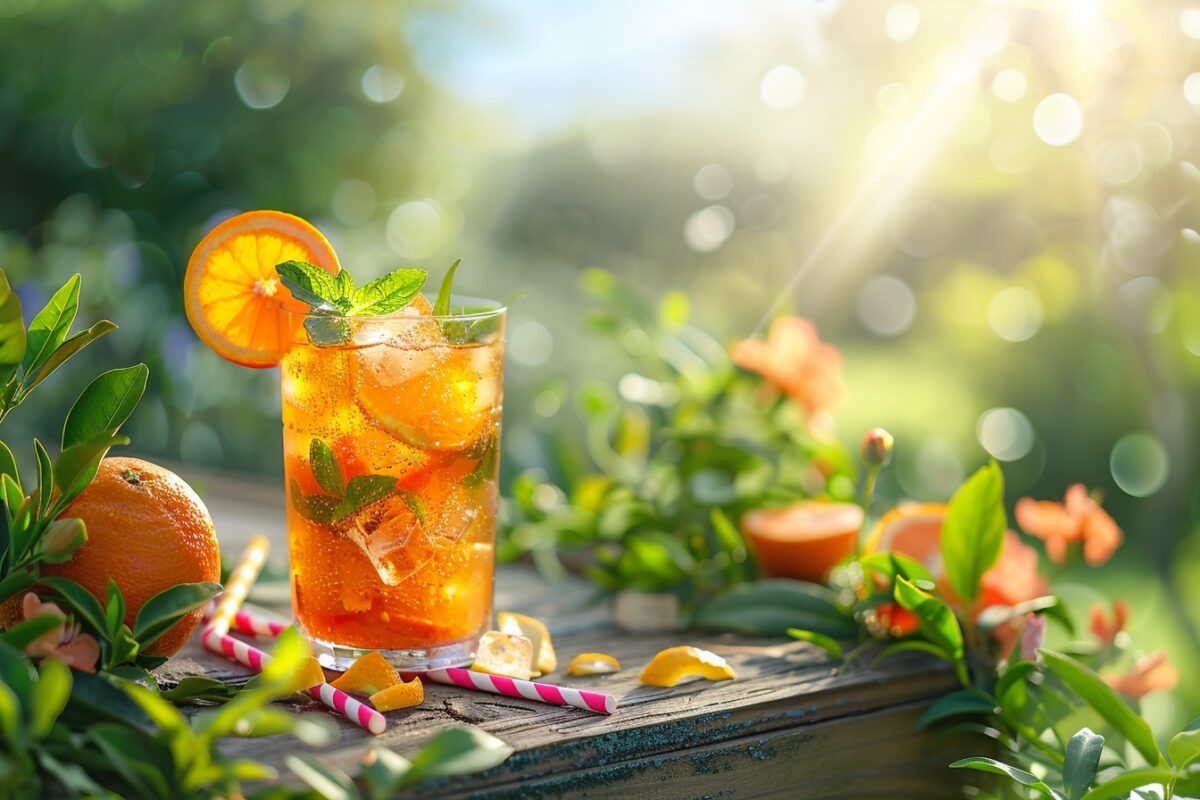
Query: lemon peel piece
[593, 664]
[672, 665]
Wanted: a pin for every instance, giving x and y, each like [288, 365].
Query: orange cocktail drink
[391, 444]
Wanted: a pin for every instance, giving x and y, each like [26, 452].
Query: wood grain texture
[791, 725]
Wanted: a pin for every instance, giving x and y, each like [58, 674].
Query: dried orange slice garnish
[544, 657]
[593, 664]
[402, 695]
[369, 674]
[232, 294]
[504, 654]
[672, 665]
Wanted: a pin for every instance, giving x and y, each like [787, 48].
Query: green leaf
[69, 348]
[143, 761]
[79, 601]
[45, 476]
[822, 641]
[911, 646]
[164, 609]
[771, 607]
[49, 327]
[362, 491]
[325, 467]
[382, 772]
[1129, 780]
[13, 495]
[77, 465]
[955, 704]
[414, 503]
[457, 751]
[1184, 748]
[995, 767]
[973, 531]
[889, 565]
[114, 609]
[325, 330]
[105, 404]
[10, 713]
[1014, 674]
[50, 695]
[390, 293]
[19, 636]
[309, 283]
[8, 466]
[196, 687]
[934, 618]
[326, 780]
[441, 308]
[12, 329]
[1083, 757]
[1092, 689]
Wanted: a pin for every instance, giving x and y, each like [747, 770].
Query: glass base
[339, 656]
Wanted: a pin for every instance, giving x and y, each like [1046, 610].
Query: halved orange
[232, 294]
[804, 540]
[912, 529]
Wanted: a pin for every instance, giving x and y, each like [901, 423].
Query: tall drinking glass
[391, 429]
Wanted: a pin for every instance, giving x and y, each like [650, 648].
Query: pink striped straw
[252, 624]
[239, 583]
[257, 660]
[597, 702]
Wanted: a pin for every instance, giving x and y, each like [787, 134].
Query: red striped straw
[597, 702]
[257, 660]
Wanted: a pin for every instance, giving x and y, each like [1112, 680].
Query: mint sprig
[343, 498]
[337, 294]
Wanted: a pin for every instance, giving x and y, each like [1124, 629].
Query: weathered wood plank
[790, 725]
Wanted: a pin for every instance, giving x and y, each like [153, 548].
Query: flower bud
[877, 448]
[61, 539]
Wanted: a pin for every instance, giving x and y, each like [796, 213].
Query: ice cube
[391, 540]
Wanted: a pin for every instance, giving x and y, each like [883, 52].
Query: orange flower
[1146, 675]
[1102, 628]
[1014, 579]
[1078, 519]
[63, 642]
[797, 362]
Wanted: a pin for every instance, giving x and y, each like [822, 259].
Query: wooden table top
[790, 725]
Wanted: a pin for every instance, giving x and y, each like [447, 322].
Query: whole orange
[148, 531]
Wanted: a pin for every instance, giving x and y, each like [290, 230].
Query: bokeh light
[1058, 119]
[1139, 464]
[1005, 433]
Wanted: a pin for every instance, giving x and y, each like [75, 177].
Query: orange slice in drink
[232, 294]
[914, 530]
[405, 694]
[672, 665]
[804, 540]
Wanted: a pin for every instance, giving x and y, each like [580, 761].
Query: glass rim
[496, 309]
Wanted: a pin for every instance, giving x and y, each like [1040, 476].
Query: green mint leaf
[325, 467]
[413, 501]
[442, 307]
[327, 331]
[49, 328]
[310, 284]
[362, 491]
[345, 286]
[390, 293]
[318, 508]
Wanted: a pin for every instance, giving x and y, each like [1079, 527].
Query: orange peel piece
[402, 695]
[506, 654]
[368, 675]
[545, 659]
[672, 665]
[306, 676]
[593, 664]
